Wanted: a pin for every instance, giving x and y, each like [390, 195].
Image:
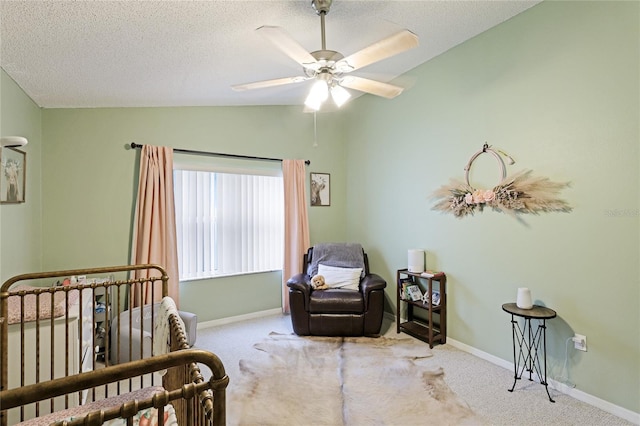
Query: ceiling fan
[330, 69]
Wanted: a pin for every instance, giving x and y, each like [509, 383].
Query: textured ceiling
[189, 53]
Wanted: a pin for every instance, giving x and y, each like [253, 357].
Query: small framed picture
[320, 189]
[414, 292]
[12, 175]
[435, 298]
[402, 287]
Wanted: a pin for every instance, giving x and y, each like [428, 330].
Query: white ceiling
[77, 54]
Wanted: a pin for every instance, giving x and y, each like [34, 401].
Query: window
[228, 223]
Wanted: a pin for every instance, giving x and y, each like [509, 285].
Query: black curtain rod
[219, 154]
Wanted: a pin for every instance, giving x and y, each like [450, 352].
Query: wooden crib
[55, 343]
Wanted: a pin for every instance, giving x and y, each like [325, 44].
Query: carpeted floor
[480, 383]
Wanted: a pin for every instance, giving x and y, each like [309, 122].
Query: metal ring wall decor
[520, 193]
[485, 148]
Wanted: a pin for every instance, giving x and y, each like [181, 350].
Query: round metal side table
[527, 341]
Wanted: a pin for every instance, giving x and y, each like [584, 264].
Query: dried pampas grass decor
[520, 193]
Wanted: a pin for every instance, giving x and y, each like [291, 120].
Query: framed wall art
[320, 189]
[13, 165]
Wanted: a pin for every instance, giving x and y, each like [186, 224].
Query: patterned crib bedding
[47, 309]
[147, 417]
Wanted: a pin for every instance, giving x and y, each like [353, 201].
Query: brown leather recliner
[336, 311]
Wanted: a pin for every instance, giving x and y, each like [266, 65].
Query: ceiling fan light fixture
[317, 95]
[340, 95]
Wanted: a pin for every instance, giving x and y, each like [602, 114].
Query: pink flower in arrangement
[489, 195]
[468, 198]
[478, 196]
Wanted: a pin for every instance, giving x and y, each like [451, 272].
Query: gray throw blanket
[343, 255]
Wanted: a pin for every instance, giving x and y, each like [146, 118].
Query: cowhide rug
[343, 381]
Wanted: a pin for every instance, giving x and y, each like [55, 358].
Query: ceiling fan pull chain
[315, 129]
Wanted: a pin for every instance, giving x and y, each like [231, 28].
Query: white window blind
[228, 223]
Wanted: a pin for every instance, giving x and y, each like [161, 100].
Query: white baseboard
[238, 318]
[480, 354]
[607, 406]
[391, 317]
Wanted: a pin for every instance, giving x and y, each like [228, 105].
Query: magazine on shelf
[404, 283]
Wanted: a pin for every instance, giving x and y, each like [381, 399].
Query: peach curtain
[154, 233]
[296, 222]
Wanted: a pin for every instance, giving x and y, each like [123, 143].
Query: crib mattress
[46, 308]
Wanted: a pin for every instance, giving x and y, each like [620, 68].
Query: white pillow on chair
[335, 277]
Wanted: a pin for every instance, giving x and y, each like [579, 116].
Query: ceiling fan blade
[374, 87]
[267, 83]
[283, 41]
[385, 48]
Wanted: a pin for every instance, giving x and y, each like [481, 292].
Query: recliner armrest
[369, 283]
[372, 282]
[301, 283]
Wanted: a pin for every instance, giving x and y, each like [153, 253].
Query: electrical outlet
[580, 342]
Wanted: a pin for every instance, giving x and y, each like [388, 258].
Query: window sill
[213, 277]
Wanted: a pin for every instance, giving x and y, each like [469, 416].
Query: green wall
[556, 88]
[91, 184]
[21, 224]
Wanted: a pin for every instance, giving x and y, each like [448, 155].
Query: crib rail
[197, 392]
[54, 344]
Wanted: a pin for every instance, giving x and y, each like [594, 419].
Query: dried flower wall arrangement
[520, 193]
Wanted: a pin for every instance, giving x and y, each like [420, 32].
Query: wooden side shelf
[433, 327]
